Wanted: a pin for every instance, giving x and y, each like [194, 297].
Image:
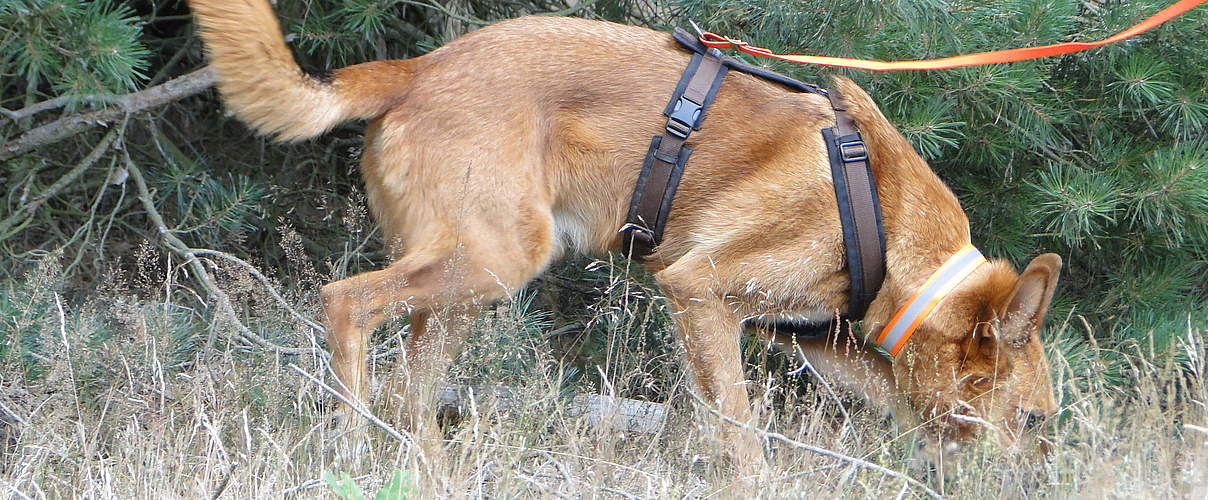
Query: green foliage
[400, 487]
[80, 48]
[27, 316]
[216, 207]
[509, 350]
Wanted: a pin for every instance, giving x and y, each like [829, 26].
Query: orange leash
[998, 56]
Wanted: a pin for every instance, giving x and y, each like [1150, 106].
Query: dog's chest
[572, 231]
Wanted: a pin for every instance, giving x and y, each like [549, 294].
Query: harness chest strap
[859, 208]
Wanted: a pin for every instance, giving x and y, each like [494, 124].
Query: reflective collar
[914, 311]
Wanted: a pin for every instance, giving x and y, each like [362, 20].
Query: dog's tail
[263, 85]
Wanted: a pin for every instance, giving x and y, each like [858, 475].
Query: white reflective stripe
[933, 291]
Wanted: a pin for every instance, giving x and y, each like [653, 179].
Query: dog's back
[577, 101]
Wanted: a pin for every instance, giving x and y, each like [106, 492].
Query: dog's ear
[1028, 302]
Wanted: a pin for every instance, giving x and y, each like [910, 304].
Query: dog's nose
[1033, 420]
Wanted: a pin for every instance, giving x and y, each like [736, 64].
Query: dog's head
[976, 365]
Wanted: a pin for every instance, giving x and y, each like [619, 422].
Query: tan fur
[491, 156]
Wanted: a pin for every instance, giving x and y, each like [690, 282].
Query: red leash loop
[993, 57]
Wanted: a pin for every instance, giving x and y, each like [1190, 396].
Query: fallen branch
[355, 405]
[821, 451]
[380, 351]
[264, 281]
[135, 102]
[184, 251]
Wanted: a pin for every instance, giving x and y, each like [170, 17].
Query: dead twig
[24, 210]
[12, 489]
[806, 365]
[263, 280]
[12, 414]
[599, 411]
[355, 405]
[821, 451]
[379, 352]
[136, 102]
[620, 493]
[226, 482]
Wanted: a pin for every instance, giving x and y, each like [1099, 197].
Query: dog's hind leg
[436, 338]
[400, 377]
[442, 282]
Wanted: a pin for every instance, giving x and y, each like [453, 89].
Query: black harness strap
[692, 42]
[664, 163]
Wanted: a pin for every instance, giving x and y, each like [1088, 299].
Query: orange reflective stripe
[994, 57]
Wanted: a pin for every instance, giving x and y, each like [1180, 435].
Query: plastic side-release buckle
[683, 117]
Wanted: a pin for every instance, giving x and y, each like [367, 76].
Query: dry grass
[114, 396]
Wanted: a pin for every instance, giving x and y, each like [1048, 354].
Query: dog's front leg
[709, 330]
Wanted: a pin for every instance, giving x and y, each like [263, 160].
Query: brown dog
[486, 159]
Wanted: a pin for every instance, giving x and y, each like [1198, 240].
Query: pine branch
[55, 103]
[136, 102]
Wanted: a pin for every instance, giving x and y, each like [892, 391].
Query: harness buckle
[683, 117]
[853, 151]
[630, 226]
[637, 240]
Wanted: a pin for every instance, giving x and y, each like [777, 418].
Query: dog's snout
[1033, 420]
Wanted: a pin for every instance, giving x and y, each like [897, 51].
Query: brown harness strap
[859, 208]
[664, 163]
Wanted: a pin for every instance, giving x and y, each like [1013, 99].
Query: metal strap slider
[853, 151]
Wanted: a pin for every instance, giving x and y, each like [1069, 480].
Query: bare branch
[263, 280]
[175, 245]
[23, 211]
[56, 103]
[355, 405]
[136, 102]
